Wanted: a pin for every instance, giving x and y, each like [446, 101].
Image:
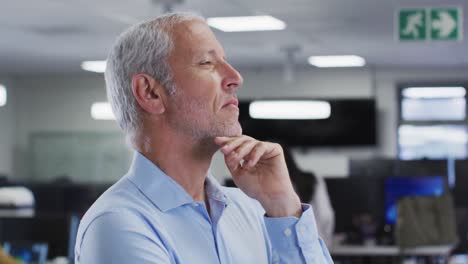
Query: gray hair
[143, 48]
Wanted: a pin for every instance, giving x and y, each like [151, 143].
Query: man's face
[205, 104]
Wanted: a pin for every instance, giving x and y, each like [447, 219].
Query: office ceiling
[46, 36]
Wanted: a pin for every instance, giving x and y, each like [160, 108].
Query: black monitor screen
[51, 230]
[355, 196]
[351, 123]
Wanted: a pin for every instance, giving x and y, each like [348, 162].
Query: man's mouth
[232, 102]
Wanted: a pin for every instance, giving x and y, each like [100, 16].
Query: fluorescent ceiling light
[434, 92]
[246, 23]
[337, 61]
[289, 109]
[102, 111]
[3, 95]
[94, 66]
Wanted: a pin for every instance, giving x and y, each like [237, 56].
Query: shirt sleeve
[119, 238]
[296, 240]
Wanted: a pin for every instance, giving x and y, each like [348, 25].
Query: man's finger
[229, 146]
[222, 140]
[232, 164]
[243, 149]
[255, 155]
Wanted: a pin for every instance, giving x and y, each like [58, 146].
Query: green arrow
[445, 24]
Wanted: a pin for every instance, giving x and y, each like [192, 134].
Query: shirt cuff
[288, 232]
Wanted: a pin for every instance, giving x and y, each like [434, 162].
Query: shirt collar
[163, 191]
[214, 190]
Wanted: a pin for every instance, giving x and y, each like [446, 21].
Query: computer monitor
[399, 187]
[27, 252]
[354, 196]
[52, 230]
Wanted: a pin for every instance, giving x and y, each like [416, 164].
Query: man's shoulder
[121, 200]
[118, 213]
[122, 205]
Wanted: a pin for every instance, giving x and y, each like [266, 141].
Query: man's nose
[232, 78]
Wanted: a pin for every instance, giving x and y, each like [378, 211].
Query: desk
[348, 250]
[389, 254]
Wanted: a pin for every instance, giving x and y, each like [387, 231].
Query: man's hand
[259, 170]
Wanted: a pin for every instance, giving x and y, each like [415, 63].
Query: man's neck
[185, 160]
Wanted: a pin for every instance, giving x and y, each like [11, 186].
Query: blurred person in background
[312, 190]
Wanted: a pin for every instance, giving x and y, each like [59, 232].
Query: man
[174, 94]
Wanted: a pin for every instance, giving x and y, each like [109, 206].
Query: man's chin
[234, 131]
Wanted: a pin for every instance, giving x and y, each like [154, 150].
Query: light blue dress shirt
[147, 218]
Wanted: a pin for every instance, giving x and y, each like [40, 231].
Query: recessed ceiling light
[434, 92]
[94, 66]
[246, 23]
[337, 61]
[3, 95]
[289, 109]
[102, 111]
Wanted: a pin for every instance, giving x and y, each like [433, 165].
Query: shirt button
[302, 229]
[275, 258]
[287, 232]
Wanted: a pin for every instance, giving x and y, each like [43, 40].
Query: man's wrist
[286, 206]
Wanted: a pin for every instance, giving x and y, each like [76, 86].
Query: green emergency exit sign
[441, 23]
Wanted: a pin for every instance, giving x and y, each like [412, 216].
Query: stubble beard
[193, 118]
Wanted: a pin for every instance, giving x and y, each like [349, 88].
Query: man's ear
[148, 92]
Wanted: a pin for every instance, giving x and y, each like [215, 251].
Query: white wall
[61, 103]
[7, 129]
[308, 82]
[55, 104]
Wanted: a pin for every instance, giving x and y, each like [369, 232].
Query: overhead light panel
[94, 66]
[246, 23]
[290, 109]
[337, 61]
[434, 92]
[102, 111]
[3, 95]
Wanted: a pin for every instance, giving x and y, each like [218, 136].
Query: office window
[432, 123]
[432, 142]
[3, 95]
[434, 109]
